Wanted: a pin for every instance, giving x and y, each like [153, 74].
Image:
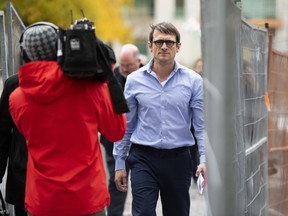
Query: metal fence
[15, 27]
[253, 76]
[3, 48]
[235, 56]
[10, 48]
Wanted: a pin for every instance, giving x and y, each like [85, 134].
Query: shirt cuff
[120, 164]
[202, 159]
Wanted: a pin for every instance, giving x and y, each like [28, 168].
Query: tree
[106, 14]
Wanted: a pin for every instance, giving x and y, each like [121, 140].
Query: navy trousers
[164, 172]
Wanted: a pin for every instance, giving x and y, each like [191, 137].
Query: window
[179, 11]
[258, 9]
[144, 8]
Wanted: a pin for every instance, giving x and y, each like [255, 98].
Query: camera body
[84, 56]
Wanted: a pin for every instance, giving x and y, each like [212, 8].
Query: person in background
[129, 61]
[198, 66]
[60, 118]
[165, 98]
[12, 147]
[143, 59]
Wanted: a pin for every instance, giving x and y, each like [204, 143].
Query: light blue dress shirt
[161, 113]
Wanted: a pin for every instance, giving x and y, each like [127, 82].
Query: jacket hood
[43, 81]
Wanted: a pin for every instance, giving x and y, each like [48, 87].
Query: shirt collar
[148, 66]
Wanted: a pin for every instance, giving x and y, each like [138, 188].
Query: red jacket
[60, 118]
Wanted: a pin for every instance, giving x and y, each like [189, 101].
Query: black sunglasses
[159, 43]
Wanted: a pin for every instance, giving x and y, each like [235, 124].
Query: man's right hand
[121, 180]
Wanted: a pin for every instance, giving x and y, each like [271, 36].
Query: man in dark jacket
[129, 61]
[12, 146]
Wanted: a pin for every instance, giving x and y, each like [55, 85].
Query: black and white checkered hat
[40, 42]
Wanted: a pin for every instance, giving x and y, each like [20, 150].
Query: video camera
[83, 55]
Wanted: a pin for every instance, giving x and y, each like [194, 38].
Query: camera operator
[60, 117]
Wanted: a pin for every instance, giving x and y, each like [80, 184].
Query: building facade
[185, 15]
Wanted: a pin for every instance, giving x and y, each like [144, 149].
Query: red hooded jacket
[60, 118]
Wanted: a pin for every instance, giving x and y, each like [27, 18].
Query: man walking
[164, 98]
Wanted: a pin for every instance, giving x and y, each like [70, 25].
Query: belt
[160, 152]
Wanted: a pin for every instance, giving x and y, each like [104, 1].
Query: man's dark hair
[166, 28]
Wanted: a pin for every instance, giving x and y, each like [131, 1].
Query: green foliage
[106, 15]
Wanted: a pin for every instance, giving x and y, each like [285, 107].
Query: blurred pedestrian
[143, 59]
[12, 151]
[60, 117]
[165, 98]
[198, 66]
[129, 62]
